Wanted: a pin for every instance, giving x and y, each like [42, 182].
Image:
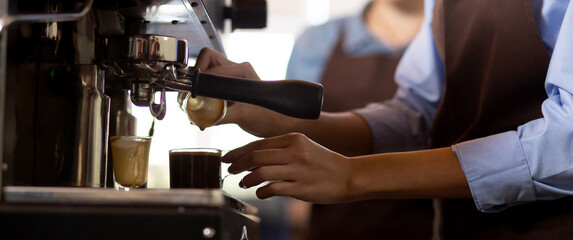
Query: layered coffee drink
[130, 160]
[195, 168]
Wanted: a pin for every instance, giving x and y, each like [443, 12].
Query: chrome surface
[3, 47]
[6, 19]
[153, 36]
[89, 167]
[150, 62]
[125, 122]
[187, 19]
[158, 110]
[155, 50]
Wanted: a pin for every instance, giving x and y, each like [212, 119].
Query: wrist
[282, 124]
[357, 185]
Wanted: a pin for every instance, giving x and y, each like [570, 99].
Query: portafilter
[153, 63]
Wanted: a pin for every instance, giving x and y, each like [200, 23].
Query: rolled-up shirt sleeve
[496, 170]
[404, 122]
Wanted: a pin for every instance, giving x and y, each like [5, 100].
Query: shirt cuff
[496, 170]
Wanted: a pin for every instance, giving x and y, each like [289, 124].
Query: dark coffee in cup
[195, 168]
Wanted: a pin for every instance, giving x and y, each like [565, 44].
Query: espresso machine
[70, 71]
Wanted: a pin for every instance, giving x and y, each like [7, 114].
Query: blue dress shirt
[533, 162]
[314, 46]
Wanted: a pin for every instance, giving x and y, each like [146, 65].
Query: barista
[486, 84]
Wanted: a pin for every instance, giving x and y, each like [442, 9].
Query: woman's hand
[346, 133]
[256, 120]
[295, 166]
[213, 62]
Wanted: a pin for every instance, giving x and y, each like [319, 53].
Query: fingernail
[241, 185]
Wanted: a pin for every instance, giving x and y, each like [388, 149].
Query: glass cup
[130, 160]
[195, 168]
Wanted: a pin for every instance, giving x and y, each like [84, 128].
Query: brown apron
[495, 66]
[351, 83]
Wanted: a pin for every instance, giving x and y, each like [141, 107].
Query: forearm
[345, 133]
[432, 173]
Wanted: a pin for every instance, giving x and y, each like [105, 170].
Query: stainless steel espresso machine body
[118, 50]
[69, 71]
[65, 91]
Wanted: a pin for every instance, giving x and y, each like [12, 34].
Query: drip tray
[103, 196]
[95, 213]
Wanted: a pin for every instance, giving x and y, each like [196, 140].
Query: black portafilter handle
[295, 98]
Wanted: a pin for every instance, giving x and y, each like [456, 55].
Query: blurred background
[268, 50]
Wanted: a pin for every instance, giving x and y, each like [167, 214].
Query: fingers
[234, 112]
[257, 159]
[277, 189]
[209, 58]
[235, 155]
[295, 166]
[265, 152]
[211, 61]
[241, 70]
[267, 173]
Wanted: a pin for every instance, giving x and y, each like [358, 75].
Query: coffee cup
[130, 160]
[198, 168]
